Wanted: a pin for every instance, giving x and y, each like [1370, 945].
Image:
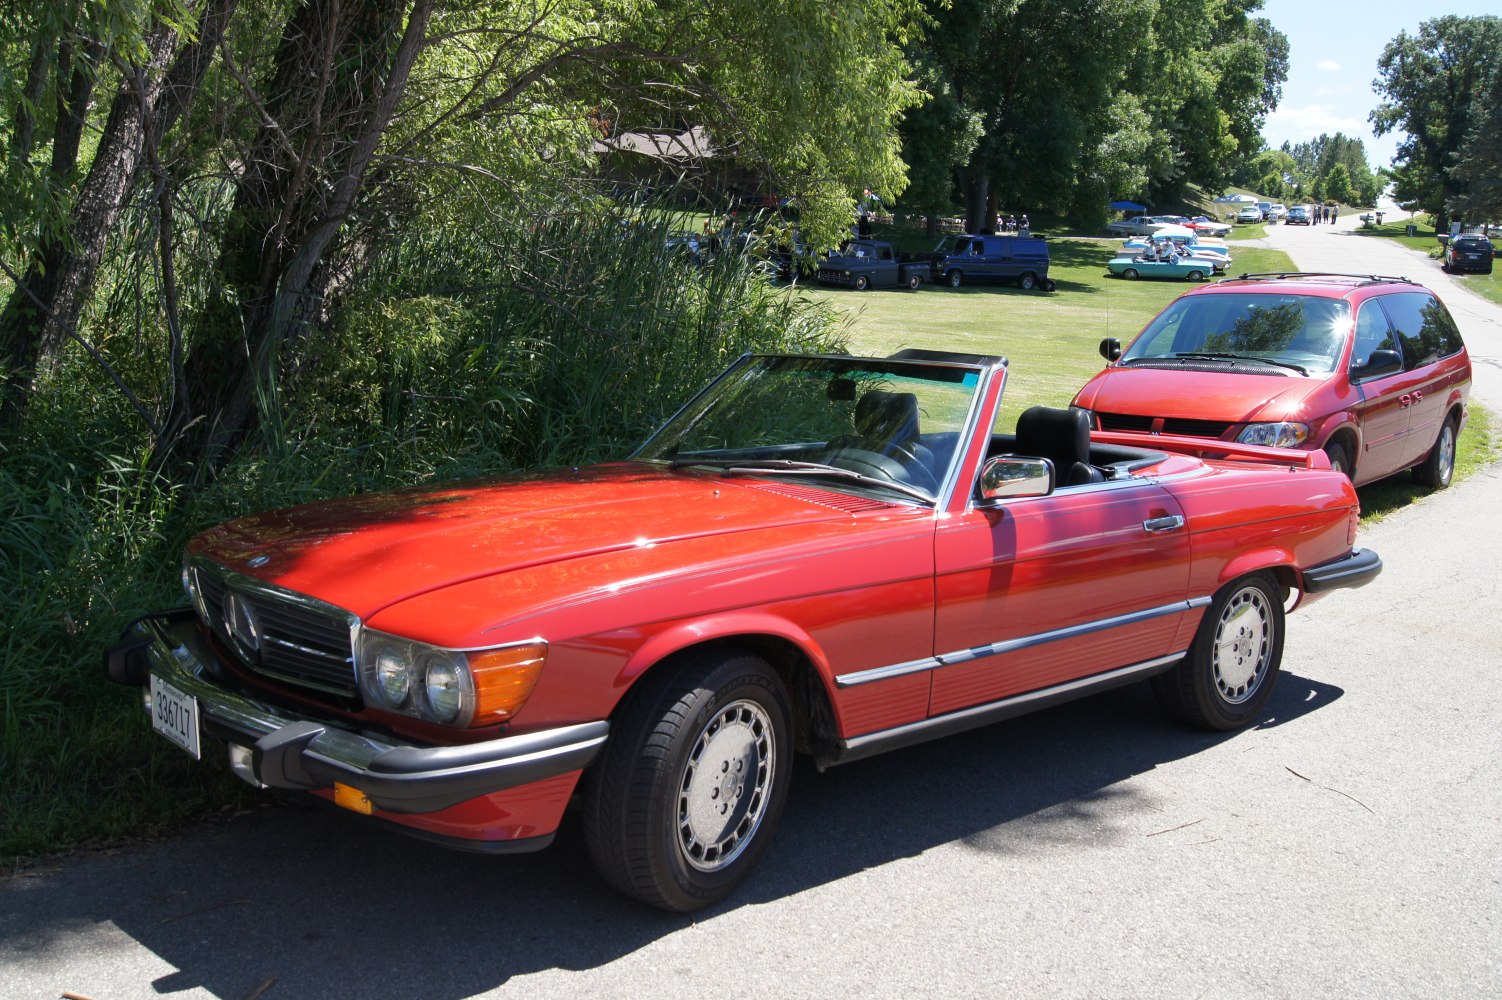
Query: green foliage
[1478, 174]
[552, 345]
[1434, 85]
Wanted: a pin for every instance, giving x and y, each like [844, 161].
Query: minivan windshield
[1302, 332]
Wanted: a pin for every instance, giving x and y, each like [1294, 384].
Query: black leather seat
[887, 423]
[1062, 437]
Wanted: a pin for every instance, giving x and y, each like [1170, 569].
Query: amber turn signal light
[504, 679]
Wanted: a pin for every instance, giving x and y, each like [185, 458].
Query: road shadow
[328, 905]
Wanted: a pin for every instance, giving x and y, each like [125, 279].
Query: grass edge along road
[1051, 339]
[1426, 241]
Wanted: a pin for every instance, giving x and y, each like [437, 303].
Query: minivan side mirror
[1380, 363]
[1110, 348]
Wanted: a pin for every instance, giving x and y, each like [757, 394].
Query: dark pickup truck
[863, 264]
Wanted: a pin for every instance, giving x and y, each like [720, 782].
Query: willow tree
[324, 127]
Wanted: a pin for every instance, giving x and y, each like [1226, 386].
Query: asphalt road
[1346, 847]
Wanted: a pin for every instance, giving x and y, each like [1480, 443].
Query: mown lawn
[1051, 340]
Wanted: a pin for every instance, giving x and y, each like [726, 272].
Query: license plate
[174, 715]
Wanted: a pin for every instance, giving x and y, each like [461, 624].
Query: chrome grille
[303, 641]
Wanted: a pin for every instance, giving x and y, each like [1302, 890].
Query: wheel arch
[790, 651]
[1277, 562]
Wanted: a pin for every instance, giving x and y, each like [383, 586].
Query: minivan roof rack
[1365, 279]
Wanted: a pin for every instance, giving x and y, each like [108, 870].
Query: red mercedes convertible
[827, 555]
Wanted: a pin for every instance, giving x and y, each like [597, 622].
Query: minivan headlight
[451, 687]
[1282, 434]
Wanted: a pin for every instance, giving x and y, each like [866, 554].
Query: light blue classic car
[1132, 266]
[1191, 245]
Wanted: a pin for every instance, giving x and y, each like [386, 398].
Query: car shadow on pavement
[327, 905]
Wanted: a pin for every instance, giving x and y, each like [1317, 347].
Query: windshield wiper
[788, 467]
[1217, 356]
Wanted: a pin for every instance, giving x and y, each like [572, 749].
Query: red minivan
[1371, 369]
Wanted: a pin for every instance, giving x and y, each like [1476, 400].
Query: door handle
[1158, 525]
[1405, 400]
[1418, 396]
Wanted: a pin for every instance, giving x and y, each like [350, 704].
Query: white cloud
[1329, 65]
[1299, 124]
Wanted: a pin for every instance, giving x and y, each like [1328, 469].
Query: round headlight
[393, 676]
[444, 691]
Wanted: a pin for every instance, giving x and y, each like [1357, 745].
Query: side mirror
[1009, 476]
[1110, 348]
[1380, 363]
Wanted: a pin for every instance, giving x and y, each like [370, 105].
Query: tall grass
[544, 344]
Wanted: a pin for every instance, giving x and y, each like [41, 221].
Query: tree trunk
[305, 176]
[43, 310]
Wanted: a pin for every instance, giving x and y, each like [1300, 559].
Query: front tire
[1438, 467]
[1195, 276]
[1340, 457]
[1229, 673]
[1130, 274]
[955, 279]
[693, 781]
[862, 283]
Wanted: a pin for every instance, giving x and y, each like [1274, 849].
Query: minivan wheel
[1027, 280]
[1438, 467]
[1340, 458]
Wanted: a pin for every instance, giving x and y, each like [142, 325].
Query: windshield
[1306, 332]
[857, 425]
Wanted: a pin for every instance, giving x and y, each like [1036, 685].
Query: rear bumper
[1356, 569]
[272, 747]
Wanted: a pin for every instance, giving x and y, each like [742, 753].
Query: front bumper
[1355, 569]
[272, 747]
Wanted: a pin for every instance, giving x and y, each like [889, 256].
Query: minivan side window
[1424, 327]
[1372, 333]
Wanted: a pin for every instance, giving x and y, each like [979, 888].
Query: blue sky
[1333, 47]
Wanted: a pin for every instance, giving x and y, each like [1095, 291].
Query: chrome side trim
[870, 744]
[1012, 645]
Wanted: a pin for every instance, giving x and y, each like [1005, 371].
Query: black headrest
[1062, 436]
[891, 417]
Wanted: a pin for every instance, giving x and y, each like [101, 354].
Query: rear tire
[1230, 670]
[692, 783]
[1438, 467]
[913, 281]
[1027, 281]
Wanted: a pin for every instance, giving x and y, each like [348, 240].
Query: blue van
[1019, 259]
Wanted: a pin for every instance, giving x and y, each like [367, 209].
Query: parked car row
[956, 261]
[833, 556]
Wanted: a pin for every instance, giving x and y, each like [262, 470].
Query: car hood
[1190, 394]
[365, 553]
